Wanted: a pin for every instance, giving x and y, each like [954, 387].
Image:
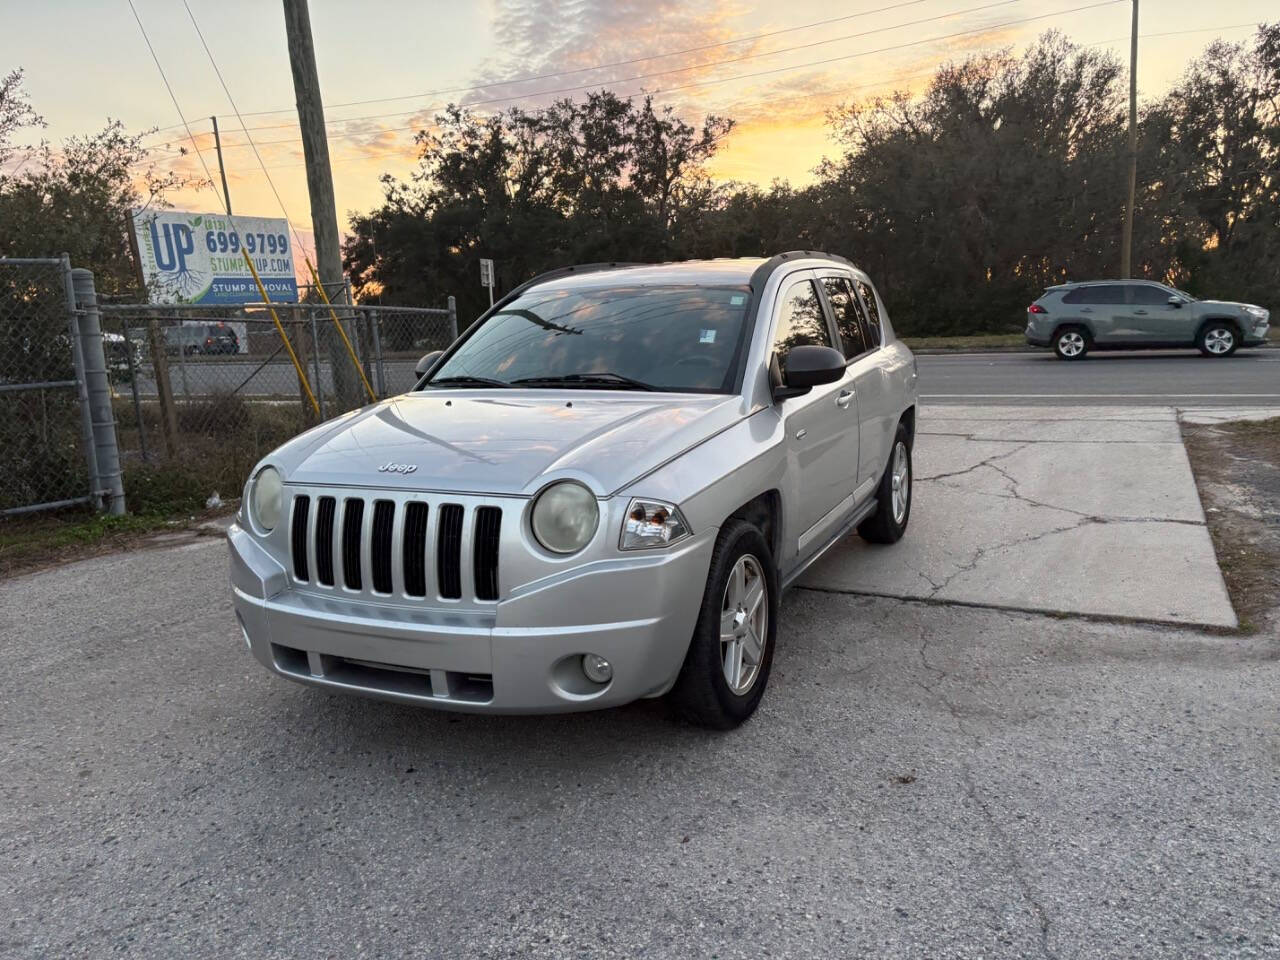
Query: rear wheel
[1218, 339]
[893, 496]
[727, 666]
[1071, 343]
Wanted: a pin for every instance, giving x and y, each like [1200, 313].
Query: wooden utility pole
[1126, 241]
[315, 151]
[222, 171]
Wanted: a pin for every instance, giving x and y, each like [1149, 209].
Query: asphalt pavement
[1177, 378]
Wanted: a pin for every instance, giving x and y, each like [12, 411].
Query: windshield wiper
[584, 380]
[467, 381]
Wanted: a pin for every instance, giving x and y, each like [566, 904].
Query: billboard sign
[199, 257]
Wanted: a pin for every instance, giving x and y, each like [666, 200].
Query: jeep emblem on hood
[398, 468]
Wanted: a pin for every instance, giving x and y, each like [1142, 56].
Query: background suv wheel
[1218, 338]
[1071, 343]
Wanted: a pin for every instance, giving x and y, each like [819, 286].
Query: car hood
[507, 442]
[1230, 304]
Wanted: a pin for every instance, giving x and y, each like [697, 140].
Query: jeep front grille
[386, 547]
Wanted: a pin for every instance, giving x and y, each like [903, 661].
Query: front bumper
[521, 654]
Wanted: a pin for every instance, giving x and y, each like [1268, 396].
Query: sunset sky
[386, 67]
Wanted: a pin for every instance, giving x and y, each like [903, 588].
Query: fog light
[597, 669]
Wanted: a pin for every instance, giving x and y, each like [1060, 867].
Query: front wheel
[893, 496]
[727, 666]
[1218, 340]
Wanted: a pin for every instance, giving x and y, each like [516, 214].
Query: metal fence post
[82, 389]
[315, 357]
[98, 386]
[453, 319]
[133, 386]
[375, 323]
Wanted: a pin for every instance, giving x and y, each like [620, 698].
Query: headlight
[652, 523]
[267, 501]
[1258, 312]
[565, 517]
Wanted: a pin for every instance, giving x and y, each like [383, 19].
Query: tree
[599, 179]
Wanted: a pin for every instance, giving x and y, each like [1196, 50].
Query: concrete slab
[1092, 514]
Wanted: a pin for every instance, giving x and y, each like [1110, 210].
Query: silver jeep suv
[1075, 318]
[596, 494]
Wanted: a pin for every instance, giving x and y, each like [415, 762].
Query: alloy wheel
[1219, 340]
[901, 480]
[744, 624]
[1071, 344]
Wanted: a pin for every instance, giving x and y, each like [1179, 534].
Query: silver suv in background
[1075, 318]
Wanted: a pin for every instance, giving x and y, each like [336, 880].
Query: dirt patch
[1237, 469]
[38, 541]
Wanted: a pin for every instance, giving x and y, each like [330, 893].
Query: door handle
[842, 401]
[1086, 309]
[1139, 313]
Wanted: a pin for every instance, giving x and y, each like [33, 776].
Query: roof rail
[761, 273]
[569, 271]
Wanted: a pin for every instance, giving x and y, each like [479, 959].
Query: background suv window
[848, 313]
[872, 306]
[801, 321]
[1099, 293]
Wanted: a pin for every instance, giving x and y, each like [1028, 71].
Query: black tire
[1071, 342]
[882, 526]
[701, 693]
[1217, 334]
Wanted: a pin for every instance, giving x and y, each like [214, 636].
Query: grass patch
[32, 541]
[982, 341]
[1237, 470]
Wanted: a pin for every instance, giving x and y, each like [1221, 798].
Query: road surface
[1178, 378]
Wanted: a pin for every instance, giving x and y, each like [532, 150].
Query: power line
[598, 66]
[172, 97]
[649, 76]
[805, 96]
[745, 76]
[297, 239]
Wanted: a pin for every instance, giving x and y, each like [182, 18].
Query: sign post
[486, 277]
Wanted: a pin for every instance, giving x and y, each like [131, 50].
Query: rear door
[1098, 306]
[821, 426]
[860, 341]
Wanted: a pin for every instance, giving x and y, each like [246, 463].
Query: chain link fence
[202, 393]
[47, 449]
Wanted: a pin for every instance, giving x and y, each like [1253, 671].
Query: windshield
[684, 339]
[1186, 296]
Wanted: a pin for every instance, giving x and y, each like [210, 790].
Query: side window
[1108, 293]
[801, 321]
[844, 304]
[1078, 295]
[875, 334]
[1147, 295]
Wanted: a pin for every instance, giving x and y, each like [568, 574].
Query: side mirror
[807, 367]
[1175, 301]
[427, 362]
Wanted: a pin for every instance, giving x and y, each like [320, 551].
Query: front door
[821, 426]
[1154, 320]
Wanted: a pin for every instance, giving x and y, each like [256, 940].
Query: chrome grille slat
[380, 552]
[488, 532]
[298, 537]
[323, 540]
[352, 548]
[396, 545]
[449, 551]
[413, 552]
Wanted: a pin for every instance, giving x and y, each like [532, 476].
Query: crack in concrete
[982, 439]
[988, 462]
